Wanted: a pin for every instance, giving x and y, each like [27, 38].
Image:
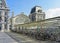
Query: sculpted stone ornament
[4, 26]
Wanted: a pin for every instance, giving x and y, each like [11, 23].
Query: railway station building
[36, 14]
[35, 20]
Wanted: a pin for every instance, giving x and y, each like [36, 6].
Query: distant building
[37, 14]
[35, 20]
[18, 19]
[4, 10]
[51, 25]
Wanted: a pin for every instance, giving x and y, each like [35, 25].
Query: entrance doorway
[0, 28]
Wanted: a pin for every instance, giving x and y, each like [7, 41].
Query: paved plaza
[4, 38]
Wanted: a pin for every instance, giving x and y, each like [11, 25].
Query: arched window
[40, 11]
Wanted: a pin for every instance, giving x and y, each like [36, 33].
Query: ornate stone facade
[37, 14]
[35, 20]
[4, 10]
[18, 19]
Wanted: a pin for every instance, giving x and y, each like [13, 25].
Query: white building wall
[4, 15]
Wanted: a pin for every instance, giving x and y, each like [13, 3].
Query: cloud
[52, 12]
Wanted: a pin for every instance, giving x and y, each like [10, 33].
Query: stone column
[8, 22]
[8, 26]
[3, 26]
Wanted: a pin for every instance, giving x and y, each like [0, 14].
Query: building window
[0, 19]
[40, 11]
[0, 13]
[5, 19]
[33, 17]
[0, 27]
[5, 13]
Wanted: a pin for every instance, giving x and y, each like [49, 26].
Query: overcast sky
[51, 7]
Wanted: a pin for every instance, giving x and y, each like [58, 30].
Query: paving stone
[4, 38]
